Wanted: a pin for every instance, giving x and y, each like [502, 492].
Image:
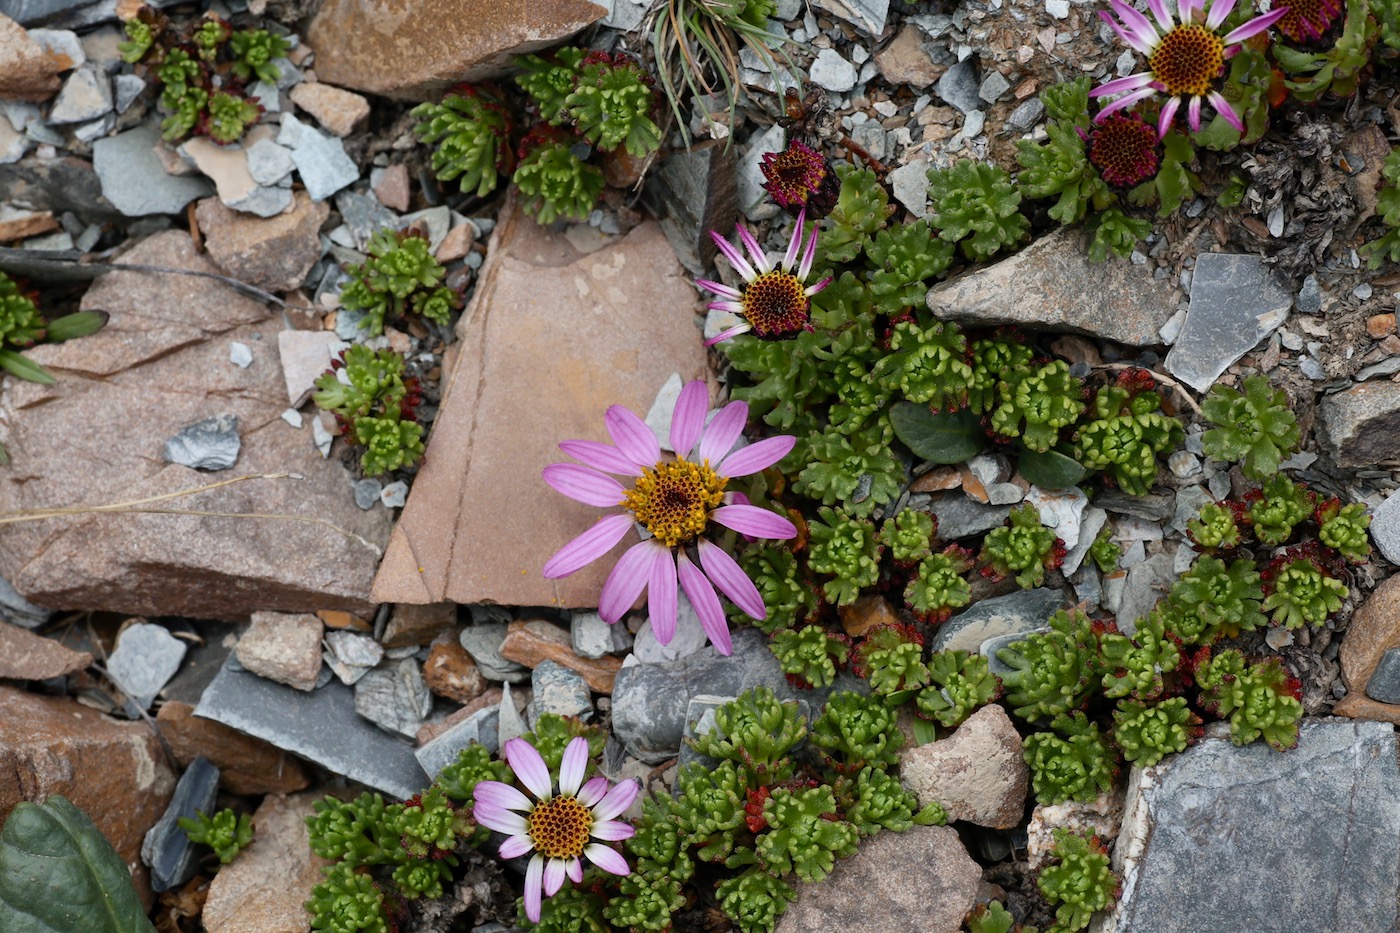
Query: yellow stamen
[559, 827]
[1188, 60]
[775, 304]
[673, 500]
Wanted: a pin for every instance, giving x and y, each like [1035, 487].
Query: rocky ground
[245, 598]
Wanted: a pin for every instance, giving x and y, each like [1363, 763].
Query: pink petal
[516, 846]
[740, 264]
[502, 821]
[813, 289]
[759, 455]
[573, 766]
[1130, 39]
[1220, 10]
[756, 522]
[1132, 20]
[688, 417]
[1119, 85]
[601, 456]
[617, 800]
[661, 598]
[702, 596]
[807, 258]
[632, 436]
[1124, 102]
[595, 790]
[794, 244]
[529, 767]
[533, 873]
[607, 859]
[1167, 116]
[732, 332]
[1222, 107]
[731, 580]
[1159, 13]
[574, 869]
[589, 546]
[760, 258]
[553, 876]
[501, 795]
[719, 288]
[1255, 26]
[628, 578]
[612, 830]
[584, 484]
[723, 431]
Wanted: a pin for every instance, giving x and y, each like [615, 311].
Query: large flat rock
[550, 340]
[1052, 285]
[417, 48]
[1361, 426]
[96, 437]
[1220, 839]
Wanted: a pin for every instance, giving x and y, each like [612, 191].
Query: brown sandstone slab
[115, 772]
[27, 71]
[247, 765]
[271, 253]
[1373, 630]
[550, 340]
[162, 364]
[416, 48]
[418, 625]
[532, 641]
[977, 773]
[265, 888]
[26, 656]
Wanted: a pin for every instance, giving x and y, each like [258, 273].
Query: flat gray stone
[395, 697]
[1385, 527]
[167, 850]
[1026, 115]
[910, 186]
[556, 689]
[1147, 582]
[211, 444]
[133, 179]
[354, 648]
[694, 193]
[1014, 614]
[1361, 426]
[480, 728]
[86, 95]
[1384, 685]
[960, 516]
[321, 725]
[320, 159]
[1309, 300]
[483, 642]
[833, 72]
[268, 162]
[364, 215]
[1236, 301]
[1307, 840]
[992, 87]
[18, 610]
[591, 636]
[869, 15]
[959, 86]
[752, 196]
[367, 493]
[1156, 506]
[125, 90]
[1052, 285]
[145, 659]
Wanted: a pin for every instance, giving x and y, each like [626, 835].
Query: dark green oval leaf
[945, 437]
[1051, 470]
[58, 874]
[24, 368]
[76, 325]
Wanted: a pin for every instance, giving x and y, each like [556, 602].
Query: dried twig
[1160, 377]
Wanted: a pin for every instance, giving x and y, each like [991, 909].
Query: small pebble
[292, 417]
[240, 355]
[1309, 300]
[394, 495]
[321, 437]
[1362, 291]
[1310, 367]
[367, 493]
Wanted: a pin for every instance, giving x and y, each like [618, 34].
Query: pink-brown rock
[392, 189]
[1373, 630]
[95, 438]
[27, 71]
[285, 647]
[115, 772]
[26, 656]
[418, 625]
[431, 730]
[265, 889]
[906, 61]
[336, 109]
[247, 765]
[271, 253]
[532, 641]
[415, 49]
[920, 881]
[551, 339]
[456, 244]
[306, 355]
[977, 773]
[450, 672]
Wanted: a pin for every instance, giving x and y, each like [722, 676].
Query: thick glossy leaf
[924, 731]
[25, 368]
[1050, 470]
[945, 437]
[58, 874]
[79, 324]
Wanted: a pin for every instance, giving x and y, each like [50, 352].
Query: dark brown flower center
[1307, 20]
[673, 500]
[1188, 59]
[776, 305]
[1124, 150]
[559, 827]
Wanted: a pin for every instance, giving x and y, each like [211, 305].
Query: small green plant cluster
[22, 326]
[201, 73]
[1255, 428]
[400, 276]
[1079, 883]
[1260, 700]
[375, 405]
[1386, 249]
[976, 207]
[226, 832]
[1024, 547]
[470, 132]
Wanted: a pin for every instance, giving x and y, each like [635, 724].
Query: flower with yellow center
[675, 502]
[1185, 58]
[561, 829]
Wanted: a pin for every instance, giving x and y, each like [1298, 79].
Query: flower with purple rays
[1185, 57]
[561, 829]
[799, 178]
[676, 501]
[774, 302]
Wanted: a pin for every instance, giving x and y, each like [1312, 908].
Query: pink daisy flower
[1185, 57]
[676, 501]
[556, 827]
[774, 303]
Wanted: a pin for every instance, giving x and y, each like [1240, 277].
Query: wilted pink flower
[557, 827]
[1184, 58]
[774, 302]
[676, 501]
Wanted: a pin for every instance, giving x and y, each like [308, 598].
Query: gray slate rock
[1309, 300]
[364, 215]
[867, 14]
[355, 649]
[1361, 426]
[86, 95]
[753, 199]
[1236, 301]
[556, 689]
[829, 70]
[321, 725]
[166, 848]
[15, 608]
[483, 642]
[367, 493]
[959, 86]
[125, 89]
[1026, 115]
[478, 728]
[145, 659]
[268, 162]
[910, 186]
[592, 637]
[694, 193]
[395, 698]
[1384, 685]
[1302, 841]
[1153, 507]
[1147, 582]
[320, 159]
[1385, 527]
[960, 516]
[211, 444]
[133, 179]
[1014, 614]
[992, 87]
